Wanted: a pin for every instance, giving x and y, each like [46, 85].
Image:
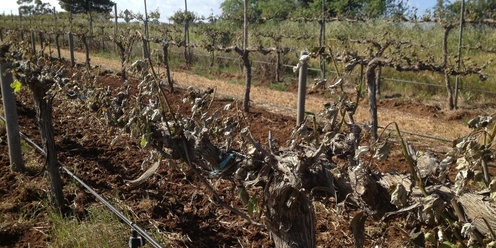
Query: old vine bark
[43, 107]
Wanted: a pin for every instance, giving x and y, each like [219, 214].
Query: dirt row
[429, 118]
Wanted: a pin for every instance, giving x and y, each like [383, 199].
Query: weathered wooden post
[187, 51]
[12, 126]
[71, 42]
[246, 60]
[146, 50]
[115, 24]
[459, 60]
[33, 42]
[71, 48]
[322, 40]
[302, 86]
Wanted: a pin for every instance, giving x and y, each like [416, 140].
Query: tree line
[284, 9]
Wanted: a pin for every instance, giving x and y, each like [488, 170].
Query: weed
[100, 228]
[278, 86]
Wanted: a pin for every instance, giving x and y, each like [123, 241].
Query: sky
[168, 7]
[165, 7]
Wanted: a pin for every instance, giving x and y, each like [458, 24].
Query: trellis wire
[334, 72]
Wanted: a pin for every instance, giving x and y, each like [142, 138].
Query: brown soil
[173, 202]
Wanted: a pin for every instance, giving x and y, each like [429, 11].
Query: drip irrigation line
[133, 225]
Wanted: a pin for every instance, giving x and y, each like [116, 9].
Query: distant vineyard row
[414, 51]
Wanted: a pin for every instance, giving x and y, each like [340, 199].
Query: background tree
[358, 8]
[34, 7]
[474, 9]
[234, 10]
[181, 16]
[276, 9]
[85, 6]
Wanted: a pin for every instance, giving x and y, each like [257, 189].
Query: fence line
[133, 225]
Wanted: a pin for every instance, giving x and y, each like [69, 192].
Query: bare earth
[428, 120]
[174, 203]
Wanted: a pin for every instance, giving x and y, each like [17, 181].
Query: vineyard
[238, 159]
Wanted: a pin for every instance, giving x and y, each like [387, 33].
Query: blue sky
[168, 7]
[422, 5]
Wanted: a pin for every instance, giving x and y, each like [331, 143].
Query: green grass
[106, 54]
[100, 228]
[278, 86]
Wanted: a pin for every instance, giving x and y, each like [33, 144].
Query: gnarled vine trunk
[165, 50]
[292, 218]
[296, 178]
[43, 106]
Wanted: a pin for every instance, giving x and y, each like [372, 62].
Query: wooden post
[115, 20]
[71, 42]
[57, 44]
[447, 28]
[322, 41]
[302, 88]
[278, 64]
[103, 38]
[33, 42]
[246, 59]
[115, 27]
[459, 60]
[42, 44]
[146, 51]
[71, 48]
[12, 126]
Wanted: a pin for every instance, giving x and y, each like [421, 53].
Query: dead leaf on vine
[382, 150]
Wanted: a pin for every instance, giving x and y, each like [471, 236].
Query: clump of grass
[278, 86]
[100, 228]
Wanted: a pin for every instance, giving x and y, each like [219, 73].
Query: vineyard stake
[302, 87]
[459, 60]
[71, 41]
[71, 48]
[33, 42]
[146, 51]
[11, 123]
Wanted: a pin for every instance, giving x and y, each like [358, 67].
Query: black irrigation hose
[133, 225]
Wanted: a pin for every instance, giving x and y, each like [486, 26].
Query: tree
[234, 10]
[474, 9]
[33, 7]
[352, 8]
[85, 6]
[278, 9]
[180, 17]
